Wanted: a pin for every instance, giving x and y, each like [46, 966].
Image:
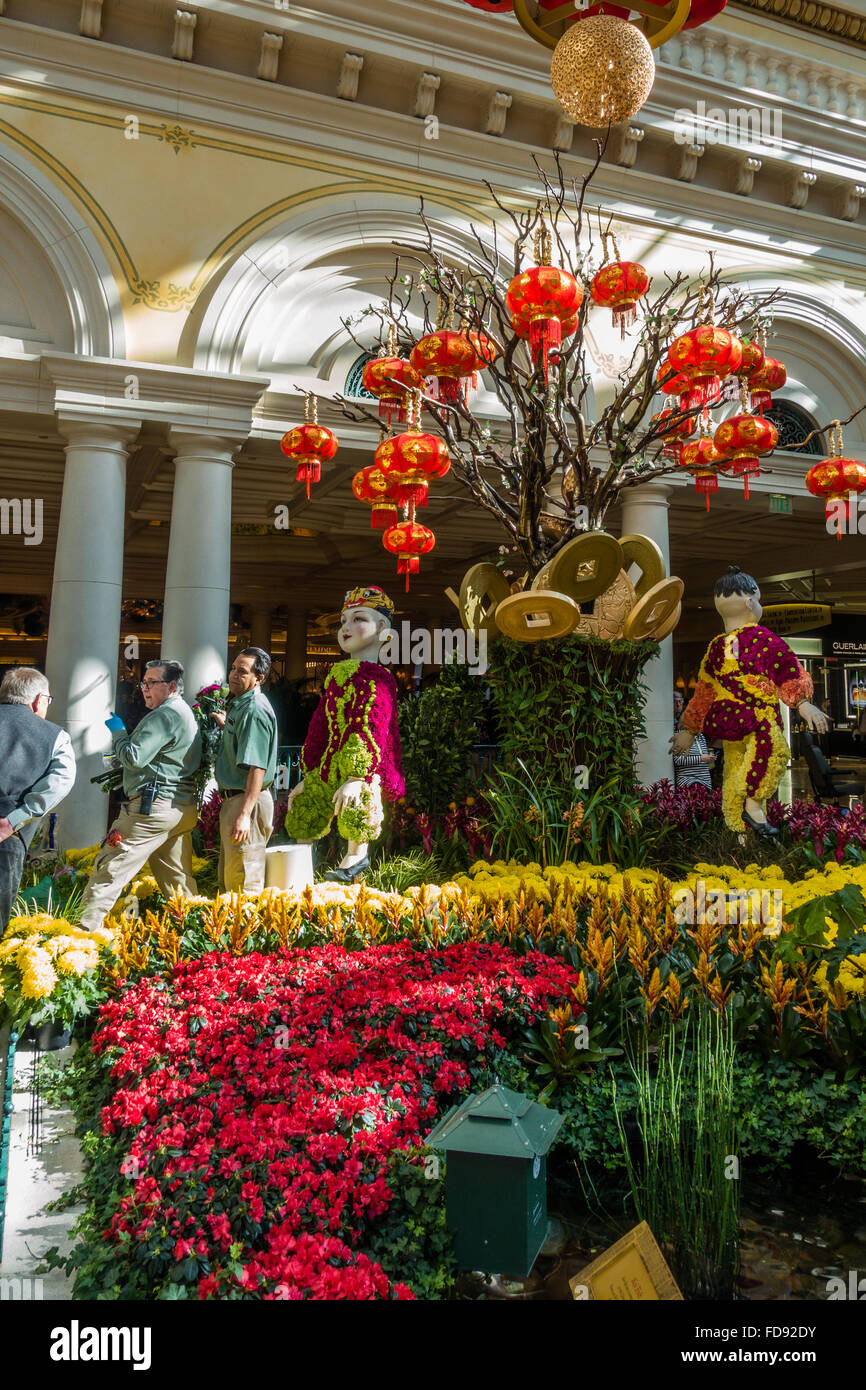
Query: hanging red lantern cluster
[619, 285]
[703, 460]
[391, 378]
[309, 445]
[540, 300]
[835, 479]
[742, 439]
[408, 463]
[672, 383]
[705, 355]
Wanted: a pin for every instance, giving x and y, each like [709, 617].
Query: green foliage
[569, 714]
[397, 872]
[437, 732]
[680, 1178]
[411, 1241]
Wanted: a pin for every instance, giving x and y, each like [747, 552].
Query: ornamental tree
[548, 471]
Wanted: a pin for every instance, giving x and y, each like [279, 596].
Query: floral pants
[312, 811]
[754, 764]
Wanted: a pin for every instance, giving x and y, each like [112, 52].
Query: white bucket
[289, 868]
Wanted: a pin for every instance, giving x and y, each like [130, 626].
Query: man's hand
[241, 828]
[815, 718]
[219, 717]
[708, 757]
[6, 830]
[682, 741]
[294, 792]
[114, 723]
[348, 794]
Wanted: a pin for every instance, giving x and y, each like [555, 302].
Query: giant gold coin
[666, 627]
[537, 615]
[542, 579]
[483, 587]
[585, 567]
[653, 611]
[610, 610]
[643, 552]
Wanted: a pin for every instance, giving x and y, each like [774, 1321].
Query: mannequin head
[737, 599]
[365, 623]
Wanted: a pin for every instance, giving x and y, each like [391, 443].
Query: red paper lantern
[450, 358]
[835, 479]
[309, 445]
[618, 286]
[702, 458]
[409, 461]
[408, 540]
[371, 486]
[391, 379]
[742, 439]
[771, 376]
[543, 297]
[680, 428]
[671, 383]
[705, 355]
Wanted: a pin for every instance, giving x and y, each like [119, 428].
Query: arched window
[353, 380]
[793, 423]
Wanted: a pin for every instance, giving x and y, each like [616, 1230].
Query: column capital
[102, 431]
[655, 493]
[218, 446]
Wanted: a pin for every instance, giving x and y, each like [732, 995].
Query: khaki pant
[162, 837]
[242, 867]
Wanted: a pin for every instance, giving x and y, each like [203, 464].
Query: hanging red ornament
[703, 460]
[408, 540]
[391, 378]
[619, 285]
[835, 479]
[542, 297]
[751, 361]
[309, 445]
[742, 439]
[411, 460]
[371, 486]
[705, 355]
[674, 433]
[770, 376]
[450, 359]
[672, 383]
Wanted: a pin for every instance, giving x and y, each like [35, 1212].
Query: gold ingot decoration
[610, 610]
[537, 616]
[483, 589]
[652, 614]
[643, 552]
[587, 566]
[602, 70]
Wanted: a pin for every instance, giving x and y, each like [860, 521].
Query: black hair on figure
[735, 582]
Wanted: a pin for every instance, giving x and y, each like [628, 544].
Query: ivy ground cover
[255, 1105]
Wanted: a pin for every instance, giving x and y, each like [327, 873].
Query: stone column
[645, 513]
[195, 621]
[84, 625]
[296, 645]
[261, 628]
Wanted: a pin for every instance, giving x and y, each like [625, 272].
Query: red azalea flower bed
[258, 1101]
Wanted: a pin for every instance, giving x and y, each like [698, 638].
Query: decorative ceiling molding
[828, 20]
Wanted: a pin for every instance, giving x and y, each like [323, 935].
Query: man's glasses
[146, 685]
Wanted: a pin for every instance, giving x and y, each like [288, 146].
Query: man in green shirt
[160, 760]
[245, 768]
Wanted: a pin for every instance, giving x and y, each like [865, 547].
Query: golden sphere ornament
[602, 70]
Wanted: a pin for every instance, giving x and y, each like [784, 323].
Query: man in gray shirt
[160, 759]
[37, 770]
